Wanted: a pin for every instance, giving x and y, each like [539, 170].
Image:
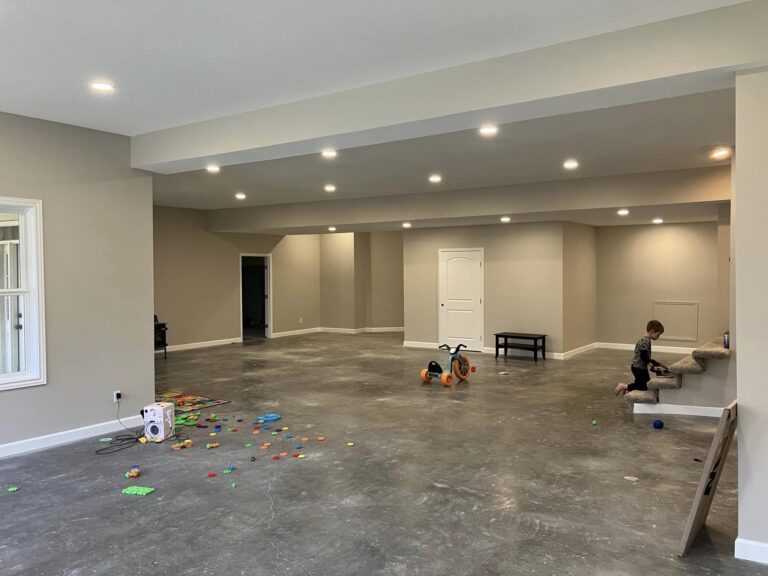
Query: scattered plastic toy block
[211, 474]
[134, 472]
[320, 438]
[298, 446]
[350, 443]
[275, 457]
[13, 489]
[138, 490]
[283, 453]
[212, 445]
[301, 456]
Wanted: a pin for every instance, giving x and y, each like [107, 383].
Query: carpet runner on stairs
[694, 363]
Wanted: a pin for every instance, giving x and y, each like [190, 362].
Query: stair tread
[640, 397]
[688, 365]
[712, 351]
[666, 382]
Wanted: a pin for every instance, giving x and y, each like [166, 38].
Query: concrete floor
[503, 475]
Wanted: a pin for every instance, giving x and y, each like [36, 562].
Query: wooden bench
[503, 341]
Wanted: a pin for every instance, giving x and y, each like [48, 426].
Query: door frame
[482, 291]
[268, 307]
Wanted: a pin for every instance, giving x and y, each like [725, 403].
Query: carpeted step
[666, 382]
[688, 365]
[641, 397]
[712, 351]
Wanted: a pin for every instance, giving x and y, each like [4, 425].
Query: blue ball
[658, 424]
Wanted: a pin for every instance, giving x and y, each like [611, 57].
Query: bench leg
[497, 346]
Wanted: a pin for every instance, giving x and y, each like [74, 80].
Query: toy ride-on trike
[458, 364]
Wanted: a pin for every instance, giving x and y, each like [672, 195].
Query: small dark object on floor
[253, 458]
[698, 460]
[658, 424]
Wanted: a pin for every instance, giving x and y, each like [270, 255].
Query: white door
[460, 290]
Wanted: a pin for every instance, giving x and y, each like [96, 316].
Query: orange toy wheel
[446, 379]
[461, 369]
[425, 377]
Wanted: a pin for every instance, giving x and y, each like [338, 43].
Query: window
[22, 330]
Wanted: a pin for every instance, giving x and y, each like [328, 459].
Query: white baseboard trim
[295, 332]
[193, 345]
[415, 344]
[580, 350]
[618, 346]
[751, 550]
[511, 352]
[336, 331]
[678, 409]
[67, 436]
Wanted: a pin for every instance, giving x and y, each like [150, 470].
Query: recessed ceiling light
[658, 221]
[489, 130]
[330, 188]
[331, 228]
[505, 219]
[623, 212]
[571, 164]
[435, 178]
[328, 153]
[213, 168]
[720, 153]
[103, 87]
[240, 196]
[406, 224]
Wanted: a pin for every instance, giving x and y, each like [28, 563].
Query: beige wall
[337, 280]
[751, 238]
[579, 285]
[523, 279]
[197, 276]
[386, 297]
[637, 265]
[97, 235]
[296, 283]
[724, 269]
[363, 279]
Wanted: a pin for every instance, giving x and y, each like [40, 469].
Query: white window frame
[31, 286]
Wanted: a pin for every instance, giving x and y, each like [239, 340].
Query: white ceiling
[180, 61]
[671, 134]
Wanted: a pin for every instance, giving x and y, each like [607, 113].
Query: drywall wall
[197, 276]
[337, 280]
[296, 283]
[637, 265]
[751, 238]
[579, 285]
[97, 238]
[724, 268]
[386, 296]
[523, 279]
[362, 255]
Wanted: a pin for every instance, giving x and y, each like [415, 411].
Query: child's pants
[641, 379]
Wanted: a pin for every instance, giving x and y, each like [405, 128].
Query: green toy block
[138, 490]
[13, 489]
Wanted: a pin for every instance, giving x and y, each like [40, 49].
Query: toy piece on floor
[211, 474]
[138, 490]
[188, 419]
[269, 417]
[13, 488]
[181, 445]
[458, 364]
[212, 445]
[658, 424]
[229, 469]
[134, 472]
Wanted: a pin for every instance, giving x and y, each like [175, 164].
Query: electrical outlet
[301, 320]
[117, 396]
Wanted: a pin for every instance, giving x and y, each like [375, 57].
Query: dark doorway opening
[255, 297]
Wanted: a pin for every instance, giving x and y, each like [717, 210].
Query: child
[642, 359]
